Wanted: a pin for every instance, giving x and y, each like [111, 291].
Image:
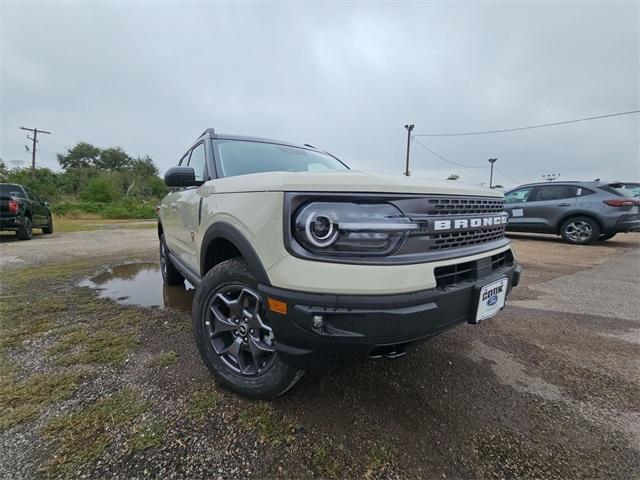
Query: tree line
[92, 178]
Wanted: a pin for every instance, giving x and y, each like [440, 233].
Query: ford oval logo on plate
[491, 299]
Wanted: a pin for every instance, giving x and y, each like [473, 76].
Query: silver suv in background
[581, 212]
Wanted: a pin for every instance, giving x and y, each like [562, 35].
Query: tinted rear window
[552, 192]
[622, 189]
[9, 190]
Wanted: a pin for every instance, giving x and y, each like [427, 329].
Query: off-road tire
[48, 230]
[580, 230]
[25, 232]
[170, 274]
[606, 236]
[277, 376]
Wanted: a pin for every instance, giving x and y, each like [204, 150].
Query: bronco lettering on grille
[462, 223]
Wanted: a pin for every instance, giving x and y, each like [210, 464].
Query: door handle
[564, 204]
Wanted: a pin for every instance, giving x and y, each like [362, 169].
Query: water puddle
[141, 284]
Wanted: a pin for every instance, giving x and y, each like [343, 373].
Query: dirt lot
[96, 389]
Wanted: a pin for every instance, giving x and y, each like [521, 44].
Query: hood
[342, 181]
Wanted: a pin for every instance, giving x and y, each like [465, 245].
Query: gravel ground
[77, 245]
[549, 388]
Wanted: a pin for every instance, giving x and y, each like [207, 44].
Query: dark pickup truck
[21, 210]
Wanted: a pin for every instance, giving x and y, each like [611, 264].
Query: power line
[444, 158]
[486, 132]
[507, 176]
[460, 164]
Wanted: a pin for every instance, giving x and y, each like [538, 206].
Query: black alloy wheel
[234, 336]
[238, 333]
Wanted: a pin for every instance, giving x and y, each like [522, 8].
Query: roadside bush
[77, 208]
[130, 209]
[46, 183]
[100, 189]
[107, 183]
[127, 209]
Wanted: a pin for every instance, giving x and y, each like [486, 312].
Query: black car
[21, 210]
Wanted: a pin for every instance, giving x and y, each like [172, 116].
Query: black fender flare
[236, 237]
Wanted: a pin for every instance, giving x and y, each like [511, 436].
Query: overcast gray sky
[342, 76]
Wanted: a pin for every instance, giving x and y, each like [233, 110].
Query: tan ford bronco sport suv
[301, 263]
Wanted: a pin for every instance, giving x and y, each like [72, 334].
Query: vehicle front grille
[468, 237]
[464, 206]
[462, 272]
[451, 222]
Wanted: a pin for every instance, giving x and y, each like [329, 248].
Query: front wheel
[233, 334]
[580, 230]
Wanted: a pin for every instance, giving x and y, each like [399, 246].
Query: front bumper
[357, 326]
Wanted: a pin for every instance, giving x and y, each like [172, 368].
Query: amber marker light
[277, 306]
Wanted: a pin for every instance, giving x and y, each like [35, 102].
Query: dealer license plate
[492, 297]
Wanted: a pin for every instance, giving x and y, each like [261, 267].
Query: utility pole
[34, 139]
[491, 161]
[409, 129]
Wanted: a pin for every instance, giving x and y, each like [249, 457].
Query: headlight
[350, 228]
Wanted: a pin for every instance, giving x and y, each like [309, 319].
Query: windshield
[237, 157]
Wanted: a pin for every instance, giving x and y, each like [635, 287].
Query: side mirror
[181, 177]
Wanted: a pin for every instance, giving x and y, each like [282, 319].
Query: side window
[553, 192]
[581, 191]
[32, 196]
[518, 196]
[197, 161]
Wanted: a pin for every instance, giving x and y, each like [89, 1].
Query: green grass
[95, 346]
[20, 401]
[149, 434]
[82, 436]
[82, 223]
[163, 360]
[44, 274]
[273, 428]
[85, 329]
[41, 312]
[324, 461]
[379, 460]
[203, 403]
[25, 316]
